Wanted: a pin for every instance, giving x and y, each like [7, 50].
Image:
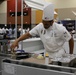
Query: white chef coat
[0, 31]
[53, 38]
[3, 30]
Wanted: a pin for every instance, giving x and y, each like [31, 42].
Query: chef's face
[47, 24]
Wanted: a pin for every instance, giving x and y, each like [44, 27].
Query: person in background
[0, 31]
[18, 31]
[28, 29]
[10, 32]
[6, 29]
[52, 35]
[3, 30]
[1, 34]
[14, 32]
[7, 35]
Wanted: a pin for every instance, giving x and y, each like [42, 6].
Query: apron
[50, 44]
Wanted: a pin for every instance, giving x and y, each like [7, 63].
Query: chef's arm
[71, 45]
[22, 37]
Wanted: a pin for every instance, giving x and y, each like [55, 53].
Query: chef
[52, 35]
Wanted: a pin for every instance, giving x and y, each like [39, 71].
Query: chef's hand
[14, 45]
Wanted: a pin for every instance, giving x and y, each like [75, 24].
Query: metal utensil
[13, 54]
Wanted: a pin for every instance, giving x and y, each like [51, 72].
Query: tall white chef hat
[48, 12]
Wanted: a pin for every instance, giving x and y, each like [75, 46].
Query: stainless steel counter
[3, 56]
[24, 67]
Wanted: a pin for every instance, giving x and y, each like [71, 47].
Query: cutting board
[34, 59]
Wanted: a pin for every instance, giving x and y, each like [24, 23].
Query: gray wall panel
[3, 18]
[66, 13]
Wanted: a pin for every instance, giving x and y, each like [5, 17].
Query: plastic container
[46, 59]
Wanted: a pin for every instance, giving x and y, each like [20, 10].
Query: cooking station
[34, 66]
[28, 64]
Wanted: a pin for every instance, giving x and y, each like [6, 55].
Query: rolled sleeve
[34, 31]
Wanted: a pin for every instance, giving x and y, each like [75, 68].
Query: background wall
[63, 3]
[3, 12]
[64, 10]
[7, 7]
[11, 9]
[65, 13]
[33, 18]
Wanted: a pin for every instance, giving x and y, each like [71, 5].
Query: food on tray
[40, 56]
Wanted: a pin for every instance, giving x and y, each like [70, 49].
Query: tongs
[13, 54]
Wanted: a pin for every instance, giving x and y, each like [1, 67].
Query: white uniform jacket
[53, 38]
